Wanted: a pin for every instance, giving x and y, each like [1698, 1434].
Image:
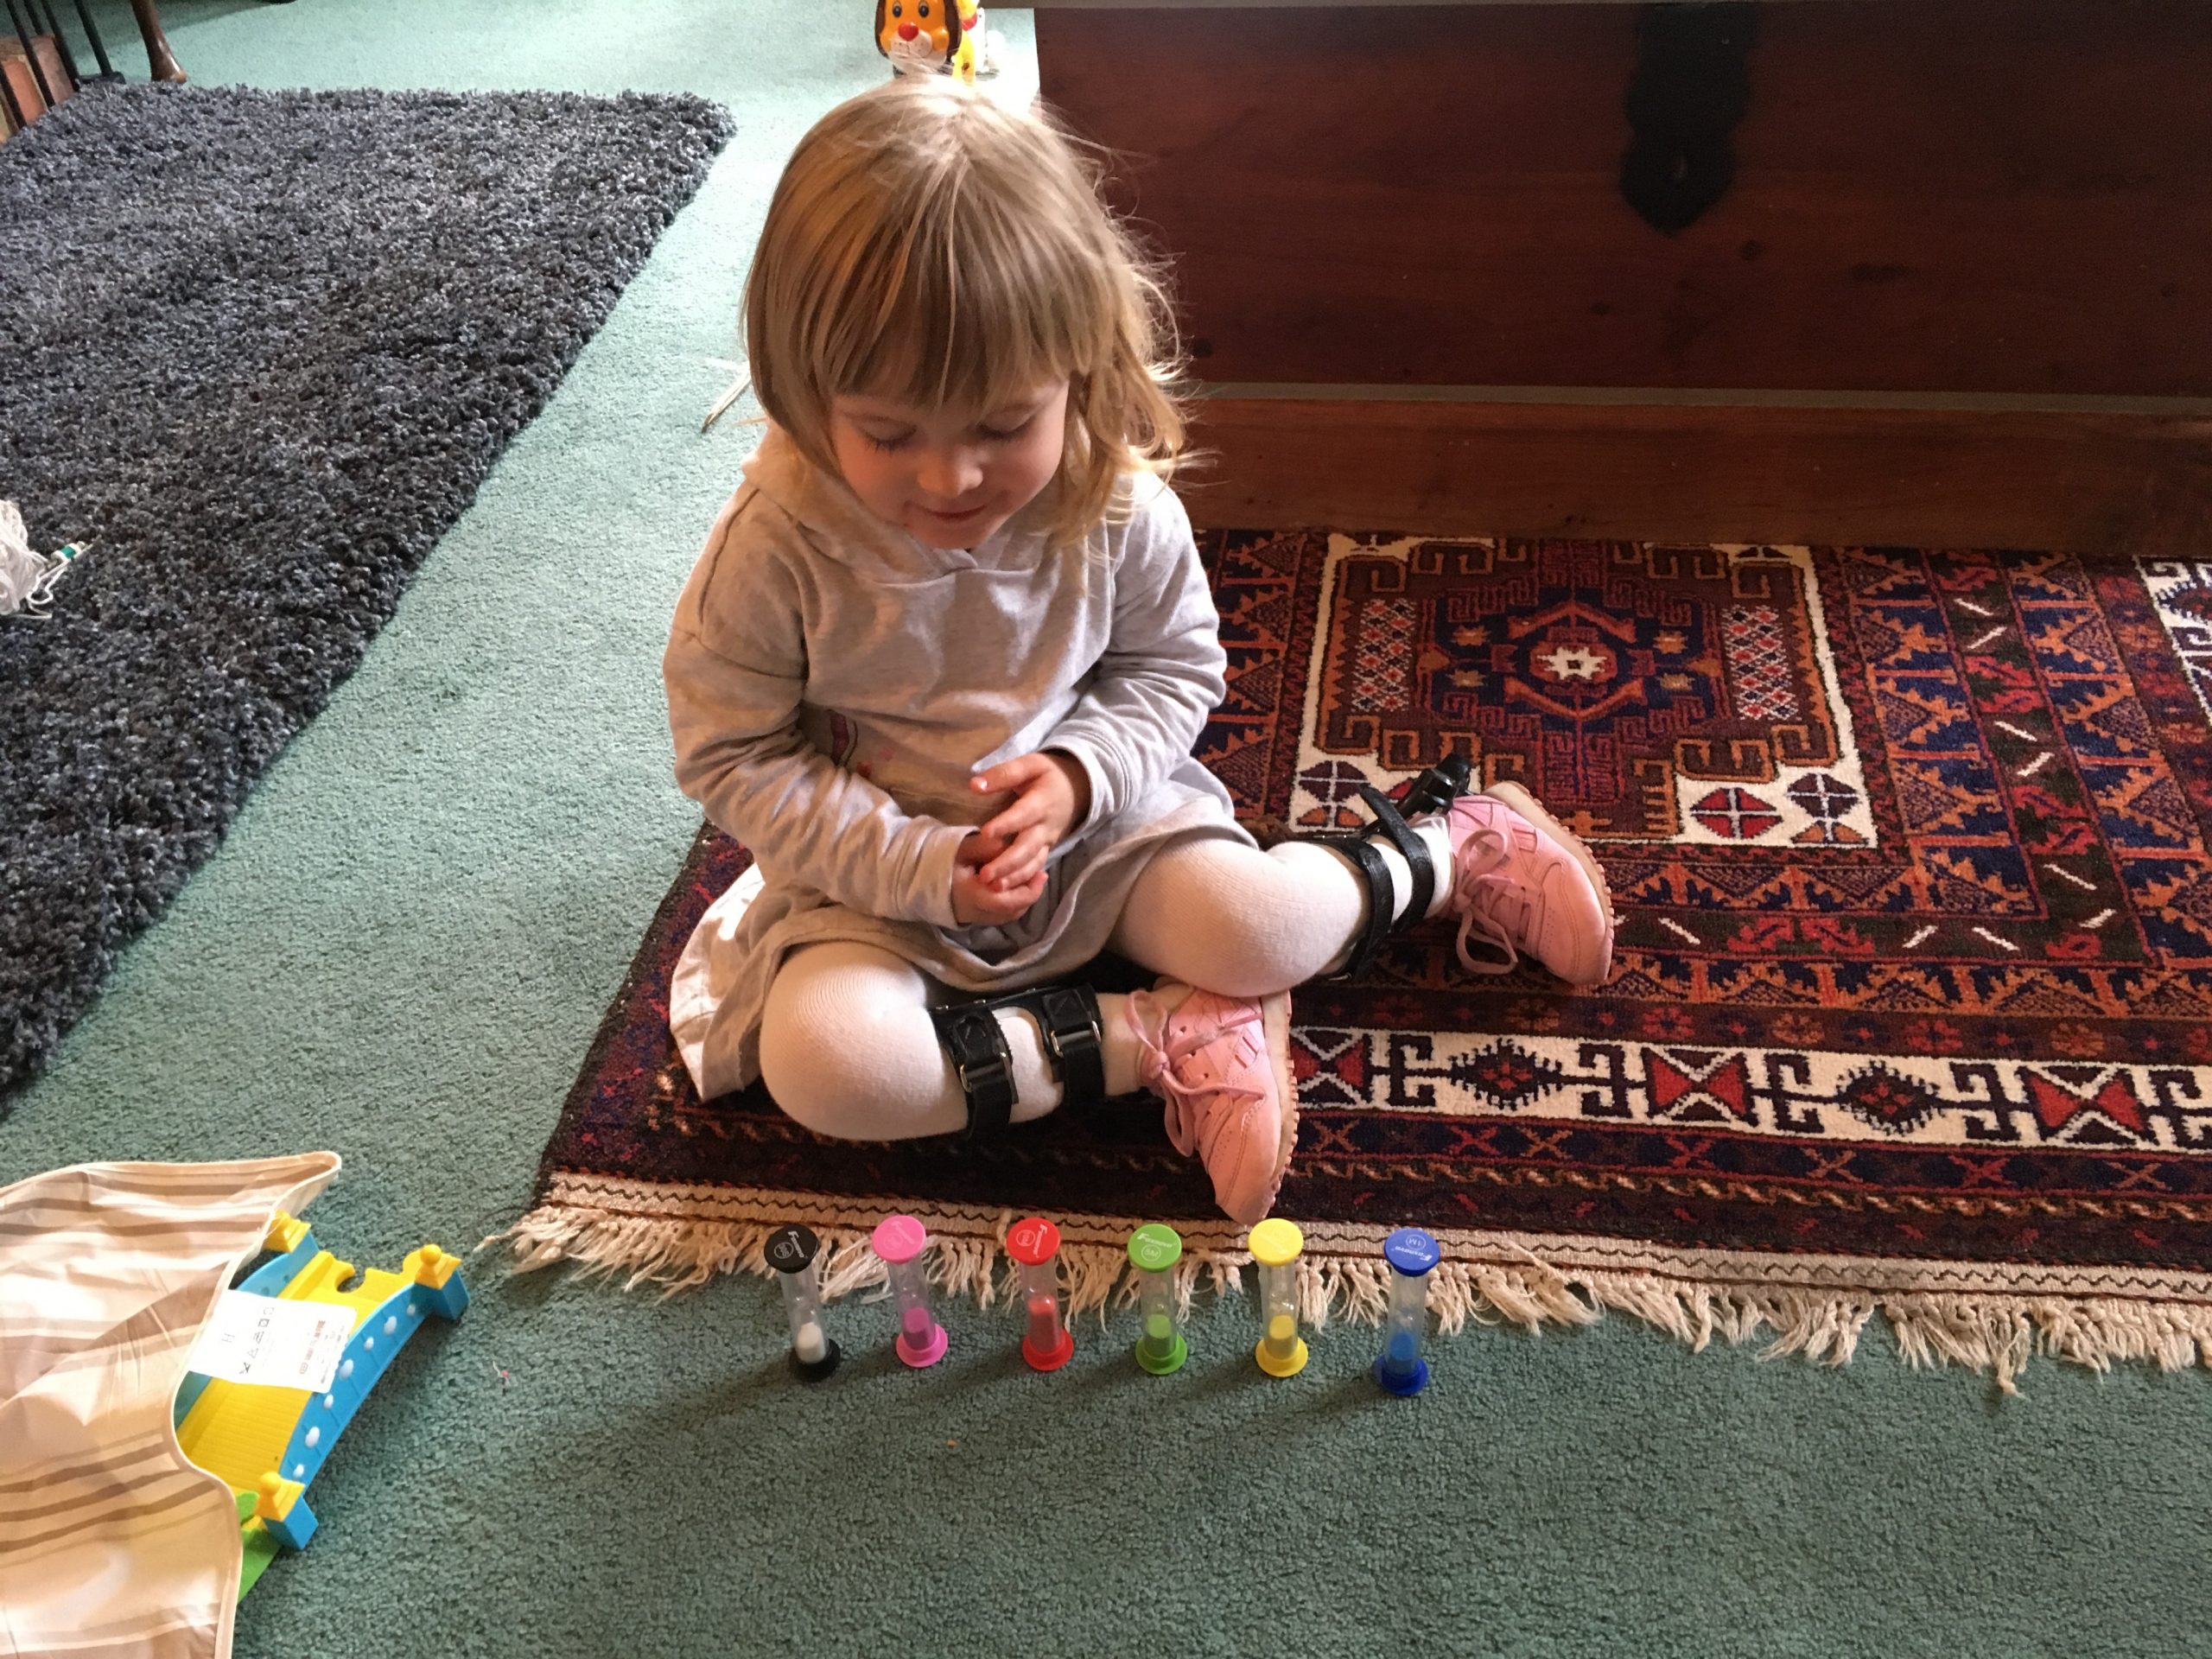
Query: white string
[27, 578]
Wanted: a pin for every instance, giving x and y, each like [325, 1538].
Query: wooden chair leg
[159, 59]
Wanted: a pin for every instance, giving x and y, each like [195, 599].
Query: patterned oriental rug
[1913, 1001]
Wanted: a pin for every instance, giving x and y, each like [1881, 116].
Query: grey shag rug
[261, 348]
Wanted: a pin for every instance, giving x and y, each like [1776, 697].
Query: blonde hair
[927, 245]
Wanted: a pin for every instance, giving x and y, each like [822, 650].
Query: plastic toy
[976, 41]
[900, 1240]
[793, 1252]
[1400, 1368]
[1153, 1251]
[1046, 1343]
[269, 1443]
[1276, 1246]
[925, 37]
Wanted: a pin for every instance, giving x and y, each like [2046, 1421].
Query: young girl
[941, 666]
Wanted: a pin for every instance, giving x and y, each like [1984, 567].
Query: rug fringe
[1998, 1334]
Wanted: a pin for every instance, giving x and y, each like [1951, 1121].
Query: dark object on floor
[270, 344]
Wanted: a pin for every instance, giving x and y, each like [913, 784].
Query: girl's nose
[948, 474]
[907, 31]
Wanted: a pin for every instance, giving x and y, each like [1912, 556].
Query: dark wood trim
[1947, 196]
[2085, 483]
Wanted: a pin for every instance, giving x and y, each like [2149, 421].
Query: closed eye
[1007, 435]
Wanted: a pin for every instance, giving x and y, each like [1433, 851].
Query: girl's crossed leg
[848, 1046]
[852, 1047]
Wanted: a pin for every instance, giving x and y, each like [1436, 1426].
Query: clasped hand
[999, 871]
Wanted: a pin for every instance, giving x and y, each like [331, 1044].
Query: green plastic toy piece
[1154, 1248]
[1153, 1251]
[260, 1546]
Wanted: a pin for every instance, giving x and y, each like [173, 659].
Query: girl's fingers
[1028, 808]
[1008, 774]
[1021, 862]
[1015, 868]
[985, 904]
[1012, 822]
[998, 907]
[979, 847]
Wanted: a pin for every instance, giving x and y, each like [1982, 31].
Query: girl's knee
[851, 1061]
[801, 1075]
[824, 1079]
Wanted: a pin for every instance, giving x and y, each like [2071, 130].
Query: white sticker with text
[282, 1344]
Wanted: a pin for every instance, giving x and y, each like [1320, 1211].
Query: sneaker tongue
[1169, 995]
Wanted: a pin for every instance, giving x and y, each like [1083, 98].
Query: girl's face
[950, 481]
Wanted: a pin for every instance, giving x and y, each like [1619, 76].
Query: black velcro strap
[980, 1056]
[1074, 1041]
[1436, 789]
[1368, 861]
[1411, 845]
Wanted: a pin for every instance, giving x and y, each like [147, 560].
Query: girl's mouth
[968, 517]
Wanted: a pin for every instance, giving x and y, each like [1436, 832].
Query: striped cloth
[110, 1542]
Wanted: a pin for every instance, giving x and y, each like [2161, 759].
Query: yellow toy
[268, 1443]
[932, 37]
[1276, 1245]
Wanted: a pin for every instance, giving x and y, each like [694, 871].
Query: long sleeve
[1163, 672]
[732, 708]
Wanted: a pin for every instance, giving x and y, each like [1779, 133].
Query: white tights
[848, 1047]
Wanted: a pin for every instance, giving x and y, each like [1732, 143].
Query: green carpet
[401, 952]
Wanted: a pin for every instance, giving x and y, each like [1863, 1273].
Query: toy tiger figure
[932, 37]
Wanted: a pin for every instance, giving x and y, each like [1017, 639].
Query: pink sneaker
[1223, 1066]
[1522, 881]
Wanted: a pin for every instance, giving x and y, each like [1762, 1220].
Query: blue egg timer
[1411, 1253]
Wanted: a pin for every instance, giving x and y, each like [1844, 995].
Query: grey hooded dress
[833, 684]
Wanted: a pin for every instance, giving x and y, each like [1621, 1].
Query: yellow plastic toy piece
[247, 1433]
[428, 1266]
[964, 55]
[284, 1233]
[1276, 1245]
[239, 1430]
[275, 1496]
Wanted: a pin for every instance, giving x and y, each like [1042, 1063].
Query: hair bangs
[964, 314]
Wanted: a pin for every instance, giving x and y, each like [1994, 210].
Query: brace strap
[1368, 861]
[1411, 846]
[1075, 1039]
[1075, 1049]
[1437, 788]
[1432, 792]
[983, 1063]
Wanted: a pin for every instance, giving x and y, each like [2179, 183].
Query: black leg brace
[1432, 792]
[1075, 1048]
